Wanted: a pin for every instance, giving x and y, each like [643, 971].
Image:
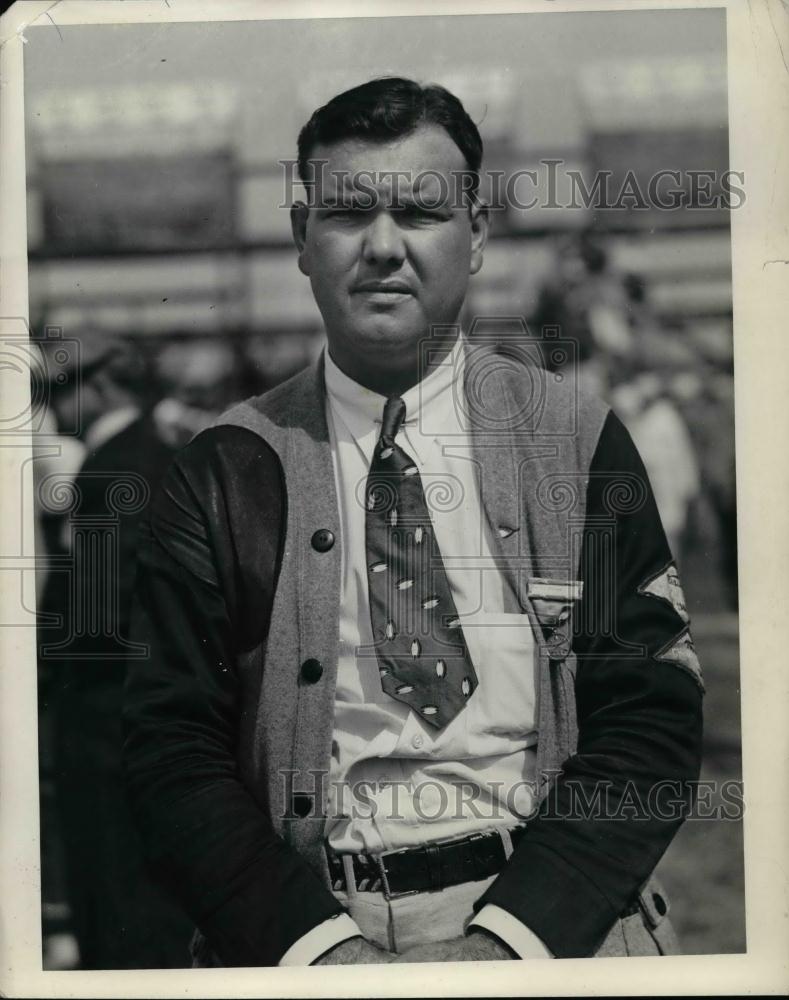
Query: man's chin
[382, 335]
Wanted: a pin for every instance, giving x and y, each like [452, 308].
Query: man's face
[384, 275]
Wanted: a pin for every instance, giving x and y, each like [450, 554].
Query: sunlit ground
[702, 870]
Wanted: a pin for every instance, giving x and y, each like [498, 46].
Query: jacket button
[312, 670]
[302, 804]
[323, 540]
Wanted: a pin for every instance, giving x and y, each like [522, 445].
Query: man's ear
[480, 224]
[299, 214]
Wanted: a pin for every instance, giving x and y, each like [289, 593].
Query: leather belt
[422, 869]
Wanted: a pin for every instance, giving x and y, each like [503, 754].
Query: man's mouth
[383, 288]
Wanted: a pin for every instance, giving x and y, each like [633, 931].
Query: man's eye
[349, 214]
[415, 213]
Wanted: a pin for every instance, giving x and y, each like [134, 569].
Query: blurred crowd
[671, 382]
[127, 404]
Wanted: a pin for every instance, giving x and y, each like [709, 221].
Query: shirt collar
[430, 404]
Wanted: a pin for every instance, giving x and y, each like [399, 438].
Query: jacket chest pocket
[553, 602]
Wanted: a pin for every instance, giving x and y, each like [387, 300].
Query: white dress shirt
[395, 781]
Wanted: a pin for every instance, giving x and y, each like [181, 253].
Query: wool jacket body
[228, 732]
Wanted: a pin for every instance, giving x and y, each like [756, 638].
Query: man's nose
[383, 240]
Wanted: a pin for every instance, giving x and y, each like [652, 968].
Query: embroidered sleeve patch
[682, 652]
[666, 586]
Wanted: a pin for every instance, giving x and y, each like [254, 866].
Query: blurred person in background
[641, 394]
[199, 379]
[275, 357]
[587, 299]
[629, 356]
[645, 407]
[705, 397]
[63, 461]
[119, 918]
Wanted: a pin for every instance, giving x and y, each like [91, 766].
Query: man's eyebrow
[345, 199]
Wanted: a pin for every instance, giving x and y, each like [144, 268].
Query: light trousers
[422, 918]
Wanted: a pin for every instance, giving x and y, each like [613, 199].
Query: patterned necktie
[419, 641]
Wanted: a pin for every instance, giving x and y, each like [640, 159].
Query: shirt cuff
[512, 932]
[322, 938]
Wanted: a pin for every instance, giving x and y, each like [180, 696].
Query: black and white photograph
[379, 585]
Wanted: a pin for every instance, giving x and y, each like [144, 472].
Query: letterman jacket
[229, 720]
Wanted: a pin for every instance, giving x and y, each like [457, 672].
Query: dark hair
[388, 108]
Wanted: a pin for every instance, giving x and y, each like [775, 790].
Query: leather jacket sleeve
[620, 799]
[208, 564]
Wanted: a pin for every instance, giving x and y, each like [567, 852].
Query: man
[408, 613]
[119, 917]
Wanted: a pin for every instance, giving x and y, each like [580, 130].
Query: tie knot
[394, 414]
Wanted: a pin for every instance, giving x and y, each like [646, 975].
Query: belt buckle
[379, 859]
[428, 851]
